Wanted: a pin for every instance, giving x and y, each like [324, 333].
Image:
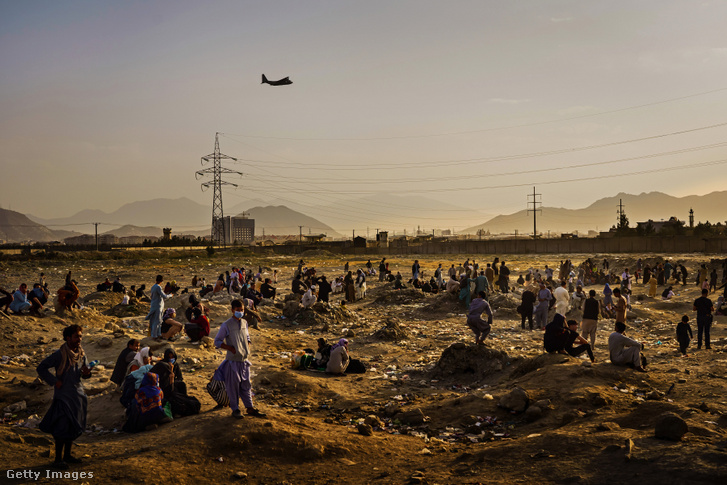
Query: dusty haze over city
[469, 102]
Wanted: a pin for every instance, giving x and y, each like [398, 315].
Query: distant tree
[704, 229]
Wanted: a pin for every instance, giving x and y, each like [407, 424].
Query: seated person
[572, 337]
[338, 362]
[324, 289]
[452, 286]
[198, 326]
[399, 282]
[267, 290]
[173, 386]
[668, 293]
[140, 295]
[254, 295]
[298, 286]
[143, 357]
[171, 288]
[322, 355]
[195, 280]
[170, 326]
[68, 295]
[625, 351]
[309, 297]
[720, 307]
[416, 283]
[147, 408]
[427, 287]
[555, 336]
[195, 303]
[6, 299]
[219, 285]
[38, 297]
[20, 300]
[105, 286]
[123, 361]
[117, 287]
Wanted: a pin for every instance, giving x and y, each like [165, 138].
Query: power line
[519, 172]
[464, 161]
[484, 130]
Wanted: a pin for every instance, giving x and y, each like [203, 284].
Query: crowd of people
[153, 391]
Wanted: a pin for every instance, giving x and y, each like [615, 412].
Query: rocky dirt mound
[391, 331]
[443, 303]
[400, 297]
[102, 300]
[326, 315]
[477, 361]
[318, 253]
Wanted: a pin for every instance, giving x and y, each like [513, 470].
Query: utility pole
[96, 226]
[300, 231]
[623, 222]
[535, 202]
[218, 225]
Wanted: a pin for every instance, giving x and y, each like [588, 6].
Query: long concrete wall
[660, 245]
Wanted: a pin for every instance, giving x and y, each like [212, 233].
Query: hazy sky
[108, 102]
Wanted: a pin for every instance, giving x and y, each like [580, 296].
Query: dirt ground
[431, 396]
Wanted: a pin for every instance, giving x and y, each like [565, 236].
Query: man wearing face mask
[234, 337]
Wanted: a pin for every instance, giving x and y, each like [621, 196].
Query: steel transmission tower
[218, 226]
[535, 202]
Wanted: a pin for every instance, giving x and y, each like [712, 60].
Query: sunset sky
[468, 102]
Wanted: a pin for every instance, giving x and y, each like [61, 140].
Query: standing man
[562, 299]
[66, 418]
[479, 327]
[591, 310]
[704, 308]
[504, 278]
[156, 309]
[541, 312]
[482, 284]
[526, 308]
[438, 277]
[382, 269]
[415, 270]
[490, 275]
[620, 305]
[233, 336]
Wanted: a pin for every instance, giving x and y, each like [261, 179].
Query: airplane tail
[265, 80]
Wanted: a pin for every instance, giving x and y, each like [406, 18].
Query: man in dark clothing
[526, 308]
[299, 288]
[117, 287]
[504, 279]
[684, 274]
[591, 310]
[66, 418]
[268, 290]
[554, 338]
[382, 269]
[122, 363]
[572, 337]
[704, 308]
[324, 289]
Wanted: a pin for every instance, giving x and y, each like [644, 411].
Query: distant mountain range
[184, 216]
[147, 218]
[601, 215]
[16, 227]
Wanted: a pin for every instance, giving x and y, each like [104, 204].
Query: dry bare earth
[430, 395]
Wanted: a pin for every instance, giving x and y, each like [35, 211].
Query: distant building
[239, 230]
[83, 240]
[313, 238]
[132, 240]
[167, 233]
